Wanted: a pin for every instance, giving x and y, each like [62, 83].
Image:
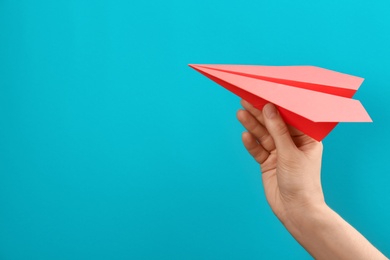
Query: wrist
[310, 218]
[325, 235]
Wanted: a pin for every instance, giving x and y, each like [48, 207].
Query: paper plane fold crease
[310, 98]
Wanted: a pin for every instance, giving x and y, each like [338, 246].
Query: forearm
[325, 235]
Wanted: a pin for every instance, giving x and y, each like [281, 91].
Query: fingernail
[270, 111]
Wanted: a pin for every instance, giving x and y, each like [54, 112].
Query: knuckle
[261, 157]
[265, 138]
[281, 129]
[258, 131]
[252, 126]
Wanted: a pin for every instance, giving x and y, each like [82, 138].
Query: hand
[291, 165]
[290, 161]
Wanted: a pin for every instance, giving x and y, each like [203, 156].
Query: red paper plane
[311, 99]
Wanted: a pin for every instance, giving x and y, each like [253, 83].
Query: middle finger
[256, 129]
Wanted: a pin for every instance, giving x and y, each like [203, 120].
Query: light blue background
[112, 148]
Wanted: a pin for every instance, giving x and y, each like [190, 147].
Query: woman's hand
[290, 160]
[291, 164]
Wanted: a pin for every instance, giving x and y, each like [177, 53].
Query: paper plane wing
[309, 98]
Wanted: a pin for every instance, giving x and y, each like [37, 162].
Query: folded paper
[310, 98]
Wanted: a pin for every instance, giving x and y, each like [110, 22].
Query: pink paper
[312, 99]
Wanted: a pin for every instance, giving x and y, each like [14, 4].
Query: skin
[290, 163]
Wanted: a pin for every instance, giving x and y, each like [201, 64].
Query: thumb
[278, 129]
